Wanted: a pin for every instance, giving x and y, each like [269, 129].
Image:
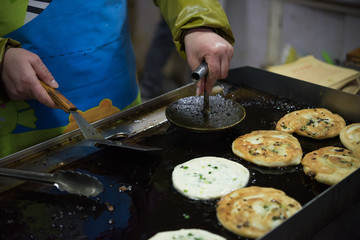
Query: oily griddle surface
[139, 200]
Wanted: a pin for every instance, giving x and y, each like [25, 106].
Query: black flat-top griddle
[139, 199]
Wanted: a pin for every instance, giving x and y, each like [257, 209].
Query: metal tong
[69, 181]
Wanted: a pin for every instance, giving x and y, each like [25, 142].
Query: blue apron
[86, 46]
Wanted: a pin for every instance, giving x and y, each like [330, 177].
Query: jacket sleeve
[181, 15]
[5, 44]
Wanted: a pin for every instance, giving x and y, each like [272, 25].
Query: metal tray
[139, 199]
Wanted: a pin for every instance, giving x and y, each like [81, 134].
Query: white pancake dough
[186, 234]
[209, 177]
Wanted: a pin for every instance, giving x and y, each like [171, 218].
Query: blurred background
[266, 31]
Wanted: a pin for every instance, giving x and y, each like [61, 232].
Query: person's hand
[203, 44]
[20, 74]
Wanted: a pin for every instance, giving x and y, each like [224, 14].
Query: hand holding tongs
[89, 132]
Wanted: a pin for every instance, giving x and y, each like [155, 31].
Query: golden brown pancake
[253, 211]
[330, 165]
[350, 138]
[318, 123]
[268, 148]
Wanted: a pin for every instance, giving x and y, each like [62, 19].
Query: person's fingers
[213, 73]
[219, 63]
[224, 67]
[34, 91]
[42, 96]
[20, 75]
[18, 86]
[203, 44]
[43, 73]
[200, 87]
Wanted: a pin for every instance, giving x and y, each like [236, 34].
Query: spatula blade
[89, 132]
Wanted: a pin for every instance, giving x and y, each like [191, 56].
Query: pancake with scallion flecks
[268, 148]
[350, 138]
[317, 123]
[209, 177]
[186, 234]
[330, 165]
[253, 211]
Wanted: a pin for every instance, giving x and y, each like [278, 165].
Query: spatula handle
[59, 99]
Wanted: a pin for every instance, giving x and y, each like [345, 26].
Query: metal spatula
[69, 181]
[89, 132]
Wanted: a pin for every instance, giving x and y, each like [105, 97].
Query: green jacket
[185, 14]
[5, 43]
[180, 16]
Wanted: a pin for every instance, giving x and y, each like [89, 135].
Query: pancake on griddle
[350, 138]
[268, 148]
[209, 177]
[253, 211]
[317, 123]
[186, 234]
[330, 165]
